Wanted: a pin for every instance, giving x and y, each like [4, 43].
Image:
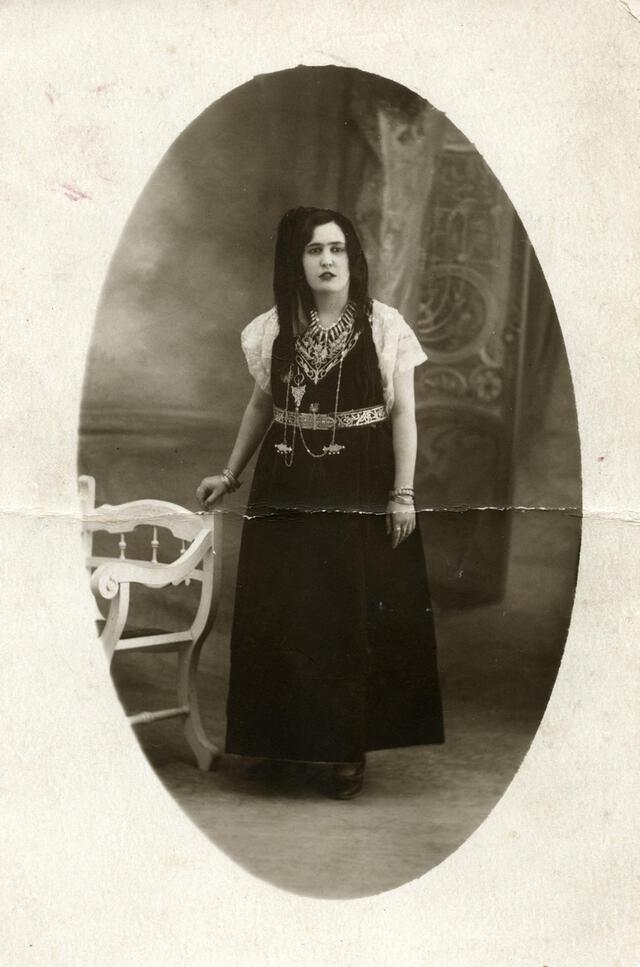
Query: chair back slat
[155, 544]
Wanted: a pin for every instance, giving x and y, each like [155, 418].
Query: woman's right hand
[211, 490]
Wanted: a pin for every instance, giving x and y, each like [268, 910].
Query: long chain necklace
[296, 387]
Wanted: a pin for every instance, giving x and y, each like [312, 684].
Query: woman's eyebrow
[337, 242]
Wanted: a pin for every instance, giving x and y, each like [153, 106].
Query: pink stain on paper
[72, 192]
[103, 88]
[51, 94]
[600, 459]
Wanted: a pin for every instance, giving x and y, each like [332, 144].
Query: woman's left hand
[401, 521]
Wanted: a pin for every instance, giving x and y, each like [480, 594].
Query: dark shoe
[346, 781]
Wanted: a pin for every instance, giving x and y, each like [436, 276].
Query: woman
[332, 646]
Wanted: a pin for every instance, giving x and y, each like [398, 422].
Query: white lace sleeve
[397, 347]
[257, 343]
[410, 353]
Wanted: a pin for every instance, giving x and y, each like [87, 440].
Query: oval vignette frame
[188, 235]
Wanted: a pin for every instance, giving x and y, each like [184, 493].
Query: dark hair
[290, 287]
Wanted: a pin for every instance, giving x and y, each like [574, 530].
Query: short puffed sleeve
[396, 344]
[257, 340]
[409, 353]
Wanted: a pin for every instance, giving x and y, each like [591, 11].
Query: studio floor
[498, 664]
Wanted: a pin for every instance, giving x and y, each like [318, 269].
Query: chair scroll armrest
[107, 578]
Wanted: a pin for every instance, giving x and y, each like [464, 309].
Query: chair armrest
[107, 577]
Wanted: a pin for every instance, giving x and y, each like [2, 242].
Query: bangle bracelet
[402, 499]
[231, 480]
[402, 491]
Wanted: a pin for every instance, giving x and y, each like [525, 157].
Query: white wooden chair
[199, 559]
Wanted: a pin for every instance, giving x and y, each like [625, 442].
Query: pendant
[298, 392]
[283, 448]
[333, 448]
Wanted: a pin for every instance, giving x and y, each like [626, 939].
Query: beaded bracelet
[231, 480]
[401, 492]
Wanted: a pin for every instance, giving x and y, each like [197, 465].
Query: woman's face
[325, 260]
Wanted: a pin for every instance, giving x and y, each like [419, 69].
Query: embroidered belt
[325, 421]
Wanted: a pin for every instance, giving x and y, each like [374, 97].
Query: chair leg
[207, 754]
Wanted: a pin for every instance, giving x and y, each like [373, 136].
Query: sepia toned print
[496, 438]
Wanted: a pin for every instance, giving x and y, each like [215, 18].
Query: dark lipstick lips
[330, 274]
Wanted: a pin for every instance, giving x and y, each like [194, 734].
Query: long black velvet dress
[333, 649]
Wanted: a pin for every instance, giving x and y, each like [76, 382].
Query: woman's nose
[327, 258]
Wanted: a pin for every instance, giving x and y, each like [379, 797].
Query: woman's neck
[330, 306]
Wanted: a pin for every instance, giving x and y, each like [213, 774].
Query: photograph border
[101, 865]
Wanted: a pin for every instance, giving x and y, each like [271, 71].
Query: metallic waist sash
[325, 421]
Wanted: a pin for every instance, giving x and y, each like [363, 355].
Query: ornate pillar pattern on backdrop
[444, 246]
[470, 317]
[466, 327]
